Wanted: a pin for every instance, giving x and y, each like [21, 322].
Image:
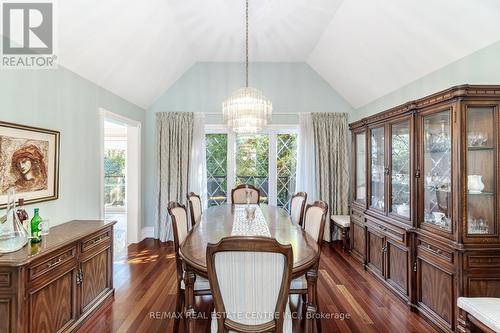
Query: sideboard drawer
[102, 238]
[5, 279]
[388, 230]
[435, 251]
[51, 262]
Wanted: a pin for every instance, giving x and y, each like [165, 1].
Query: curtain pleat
[332, 172]
[174, 135]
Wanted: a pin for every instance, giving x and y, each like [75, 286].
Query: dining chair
[314, 225]
[195, 210]
[238, 194]
[250, 275]
[297, 206]
[179, 217]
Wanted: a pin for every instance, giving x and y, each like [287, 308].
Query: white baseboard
[147, 232]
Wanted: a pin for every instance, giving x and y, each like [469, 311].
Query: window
[252, 162]
[267, 161]
[286, 164]
[216, 145]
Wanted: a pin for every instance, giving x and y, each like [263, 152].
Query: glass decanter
[13, 236]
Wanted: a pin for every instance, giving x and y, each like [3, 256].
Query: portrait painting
[29, 163]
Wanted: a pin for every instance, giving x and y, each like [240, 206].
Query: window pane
[286, 163]
[360, 167]
[216, 145]
[252, 162]
[115, 155]
[377, 168]
[400, 162]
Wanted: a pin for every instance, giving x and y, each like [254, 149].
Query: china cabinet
[425, 209]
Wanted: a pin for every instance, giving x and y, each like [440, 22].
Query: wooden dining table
[230, 220]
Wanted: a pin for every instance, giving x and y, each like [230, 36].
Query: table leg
[312, 305]
[189, 279]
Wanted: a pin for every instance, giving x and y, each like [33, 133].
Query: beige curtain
[174, 135]
[332, 174]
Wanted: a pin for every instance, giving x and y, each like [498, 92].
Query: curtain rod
[274, 113]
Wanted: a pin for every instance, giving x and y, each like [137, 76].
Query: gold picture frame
[29, 162]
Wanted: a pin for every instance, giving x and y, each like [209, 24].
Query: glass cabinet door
[400, 169]
[377, 168]
[360, 157]
[481, 167]
[436, 171]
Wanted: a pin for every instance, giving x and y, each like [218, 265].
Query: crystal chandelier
[247, 110]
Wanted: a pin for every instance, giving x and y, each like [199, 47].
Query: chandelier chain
[246, 45]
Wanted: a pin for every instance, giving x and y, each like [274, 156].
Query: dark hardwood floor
[146, 291]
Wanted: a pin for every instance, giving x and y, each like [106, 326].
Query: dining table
[228, 220]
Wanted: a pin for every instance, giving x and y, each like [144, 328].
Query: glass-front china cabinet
[390, 169]
[425, 209]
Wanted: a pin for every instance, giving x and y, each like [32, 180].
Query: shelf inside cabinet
[479, 148]
[481, 193]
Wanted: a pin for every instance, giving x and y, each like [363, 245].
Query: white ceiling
[363, 48]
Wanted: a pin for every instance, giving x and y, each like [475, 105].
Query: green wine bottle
[36, 233]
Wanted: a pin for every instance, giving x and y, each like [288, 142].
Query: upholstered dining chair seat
[299, 283]
[484, 309]
[342, 220]
[199, 284]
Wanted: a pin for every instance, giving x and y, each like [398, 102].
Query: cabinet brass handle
[52, 264]
[79, 277]
[387, 171]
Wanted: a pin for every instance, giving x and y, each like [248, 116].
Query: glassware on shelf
[437, 170]
[13, 236]
[475, 139]
[477, 225]
[403, 210]
[475, 184]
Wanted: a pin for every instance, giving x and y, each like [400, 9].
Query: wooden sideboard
[425, 207]
[55, 285]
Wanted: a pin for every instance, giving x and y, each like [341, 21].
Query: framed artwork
[29, 162]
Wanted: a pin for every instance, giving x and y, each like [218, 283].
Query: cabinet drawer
[96, 240]
[435, 251]
[394, 233]
[482, 260]
[5, 279]
[51, 262]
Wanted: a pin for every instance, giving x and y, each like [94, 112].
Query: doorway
[121, 179]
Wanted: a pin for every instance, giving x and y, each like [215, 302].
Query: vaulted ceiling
[363, 48]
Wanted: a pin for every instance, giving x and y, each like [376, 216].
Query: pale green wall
[481, 67]
[292, 87]
[61, 100]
